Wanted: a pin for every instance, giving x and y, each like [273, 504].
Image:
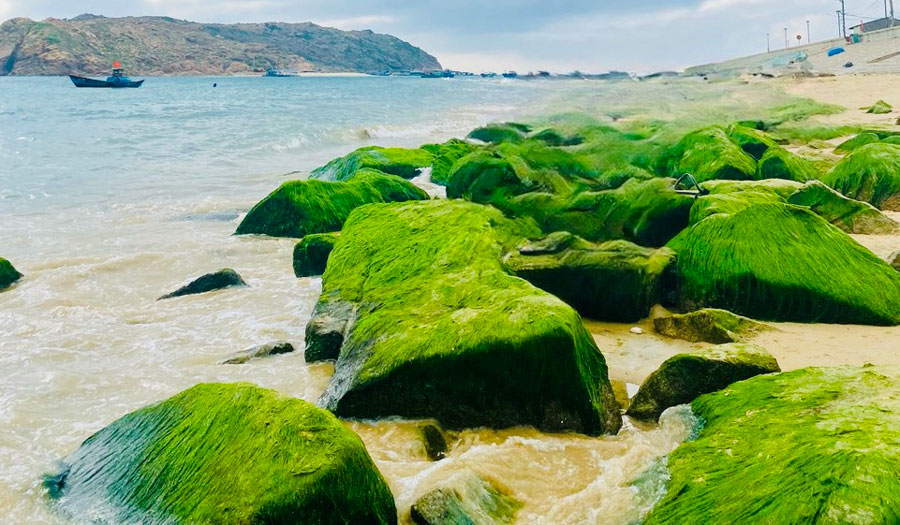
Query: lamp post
[787, 43]
[808, 37]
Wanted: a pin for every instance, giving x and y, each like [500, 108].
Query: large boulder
[779, 163]
[221, 453]
[708, 325]
[709, 154]
[780, 262]
[465, 499]
[553, 137]
[817, 445]
[311, 253]
[224, 278]
[684, 377]
[857, 142]
[500, 133]
[8, 274]
[730, 197]
[402, 162]
[299, 208]
[753, 141]
[851, 216]
[445, 156]
[613, 281]
[421, 314]
[870, 174]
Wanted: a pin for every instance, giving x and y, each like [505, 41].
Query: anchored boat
[116, 80]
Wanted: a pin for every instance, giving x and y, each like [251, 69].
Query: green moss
[818, 445]
[856, 142]
[224, 454]
[613, 281]
[311, 253]
[849, 215]
[684, 377]
[708, 325]
[553, 137]
[8, 274]
[465, 499]
[781, 262]
[879, 108]
[801, 109]
[709, 154]
[405, 163]
[421, 315]
[299, 208]
[778, 163]
[754, 142]
[445, 156]
[730, 197]
[498, 133]
[870, 174]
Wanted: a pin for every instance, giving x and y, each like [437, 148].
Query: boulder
[857, 142]
[614, 281]
[851, 216]
[779, 163]
[817, 446]
[434, 441]
[552, 137]
[420, 313]
[259, 352]
[499, 133]
[729, 197]
[684, 377]
[894, 260]
[753, 141]
[709, 154]
[780, 262]
[8, 274]
[220, 453]
[708, 325]
[224, 278]
[445, 156]
[465, 499]
[879, 108]
[302, 207]
[402, 162]
[870, 174]
[311, 253]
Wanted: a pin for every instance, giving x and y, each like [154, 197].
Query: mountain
[88, 44]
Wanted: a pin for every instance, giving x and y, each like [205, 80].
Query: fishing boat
[280, 73]
[510, 74]
[116, 80]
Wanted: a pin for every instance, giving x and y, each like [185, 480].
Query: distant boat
[488, 75]
[116, 80]
[446, 73]
[280, 73]
[510, 74]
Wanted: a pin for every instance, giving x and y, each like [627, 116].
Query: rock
[220, 453]
[753, 141]
[465, 499]
[552, 137]
[849, 215]
[817, 445]
[708, 326]
[499, 133]
[435, 443]
[311, 253]
[445, 156]
[779, 163]
[894, 260]
[224, 278]
[302, 207]
[404, 163]
[427, 315]
[870, 174]
[730, 197]
[637, 330]
[857, 142]
[258, 352]
[780, 262]
[8, 274]
[684, 377]
[879, 108]
[614, 281]
[709, 154]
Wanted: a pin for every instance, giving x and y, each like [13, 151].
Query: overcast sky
[557, 35]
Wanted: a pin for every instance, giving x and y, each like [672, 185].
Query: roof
[875, 25]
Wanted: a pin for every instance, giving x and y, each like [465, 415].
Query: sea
[112, 198]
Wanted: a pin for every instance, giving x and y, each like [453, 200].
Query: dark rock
[8, 274]
[311, 253]
[894, 260]
[465, 499]
[225, 278]
[435, 443]
[326, 330]
[258, 352]
[708, 326]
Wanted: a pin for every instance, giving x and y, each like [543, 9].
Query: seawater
[111, 198]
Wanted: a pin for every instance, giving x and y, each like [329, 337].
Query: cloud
[6, 7]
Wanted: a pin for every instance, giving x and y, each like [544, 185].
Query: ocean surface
[112, 198]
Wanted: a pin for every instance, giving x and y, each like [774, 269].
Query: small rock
[224, 278]
[465, 499]
[637, 330]
[894, 260]
[435, 443]
[259, 352]
[709, 325]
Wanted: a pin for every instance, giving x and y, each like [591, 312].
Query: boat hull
[83, 82]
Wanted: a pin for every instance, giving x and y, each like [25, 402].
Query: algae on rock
[465, 499]
[404, 163]
[708, 325]
[851, 216]
[311, 253]
[709, 154]
[499, 133]
[870, 174]
[445, 156]
[8, 274]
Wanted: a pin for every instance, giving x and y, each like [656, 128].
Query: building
[875, 25]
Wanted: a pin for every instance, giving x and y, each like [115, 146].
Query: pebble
[637, 330]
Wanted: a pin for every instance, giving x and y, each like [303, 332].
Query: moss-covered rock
[302, 207]
[613, 281]
[224, 278]
[402, 162]
[817, 445]
[709, 154]
[857, 142]
[499, 133]
[8, 274]
[553, 137]
[311, 253]
[465, 499]
[870, 174]
[730, 197]
[708, 325]
[849, 215]
[445, 156]
[780, 262]
[421, 314]
[779, 163]
[894, 260]
[753, 141]
[684, 377]
[879, 108]
[224, 454]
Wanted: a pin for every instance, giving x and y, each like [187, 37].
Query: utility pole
[768, 44]
[839, 22]
[787, 44]
[885, 9]
[892, 12]
[843, 19]
[808, 38]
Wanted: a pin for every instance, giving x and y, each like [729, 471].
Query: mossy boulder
[553, 137]
[221, 453]
[879, 108]
[730, 197]
[500, 133]
[8, 274]
[311, 253]
[870, 174]
[780, 262]
[851, 216]
[708, 325]
[685, 377]
[445, 156]
[817, 445]
[779, 163]
[894, 260]
[857, 142]
[709, 154]
[753, 141]
[613, 281]
[421, 314]
[464, 499]
[302, 207]
[402, 162]
[224, 278]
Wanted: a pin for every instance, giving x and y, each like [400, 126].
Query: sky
[523, 35]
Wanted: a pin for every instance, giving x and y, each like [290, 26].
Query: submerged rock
[8, 274]
[224, 278]
[445, 156]
[870, 174]
[499, 133]
[684, 377]
[817, 445]
[224, 454]
[709, 154]
[421, 315]
[404, 163]
[434, 441]
[311, 253]
[781, 262]
[302, 207]
[849, 215]
[613, 281]
[465, 499]
[258, 352]
[708, 325]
